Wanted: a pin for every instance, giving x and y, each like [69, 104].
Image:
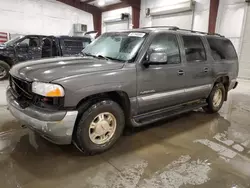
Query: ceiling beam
[133, 3]
[114, 6]
[81, 5]
[88, 1]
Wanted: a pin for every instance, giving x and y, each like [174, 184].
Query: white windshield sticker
[136, 35]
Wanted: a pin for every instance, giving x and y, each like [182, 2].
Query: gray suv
[130, 78]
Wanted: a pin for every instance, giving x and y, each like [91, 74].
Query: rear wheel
[99, 127]
[215, 99]
[4, 70]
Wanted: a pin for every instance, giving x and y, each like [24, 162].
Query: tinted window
[31, 41]
[222, 49]
[167, 42]
[76, 43]
[194, 48]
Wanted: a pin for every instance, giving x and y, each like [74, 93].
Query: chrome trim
[203, 87]
[175, 92]
[161, 95]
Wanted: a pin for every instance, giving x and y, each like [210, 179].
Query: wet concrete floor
[192, 150]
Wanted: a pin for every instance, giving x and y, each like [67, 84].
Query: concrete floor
[194, 149]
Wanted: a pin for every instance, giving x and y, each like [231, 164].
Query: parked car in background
[34, 47]
[130, 78]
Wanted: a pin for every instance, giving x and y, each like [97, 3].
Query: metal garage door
[182, 20]
[117, 26]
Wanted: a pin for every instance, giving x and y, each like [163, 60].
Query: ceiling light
[101, 3]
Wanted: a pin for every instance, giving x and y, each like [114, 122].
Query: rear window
[222, 49]
[70, 43]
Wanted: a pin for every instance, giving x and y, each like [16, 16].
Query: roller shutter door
[181, 20]
[116, 26]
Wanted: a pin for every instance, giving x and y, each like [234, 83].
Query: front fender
[78, 88]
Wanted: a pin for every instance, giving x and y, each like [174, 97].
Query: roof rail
[167, 27]
[174, 28]
[193, 31]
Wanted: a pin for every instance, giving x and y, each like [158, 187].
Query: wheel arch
[118, 96]
[224, 79]
[8, 60]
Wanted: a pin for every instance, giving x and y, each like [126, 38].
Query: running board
[158, 115]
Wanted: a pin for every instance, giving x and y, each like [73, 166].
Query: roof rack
[174, 28]
[167, 27]
[193, 31]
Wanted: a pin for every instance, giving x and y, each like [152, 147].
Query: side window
[73, 43]
[222, 49]
[168, 43]
[31, 42]
[194, 48]
[76, 43]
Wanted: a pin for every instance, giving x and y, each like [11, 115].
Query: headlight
[47, 90]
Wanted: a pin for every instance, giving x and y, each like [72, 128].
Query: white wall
[245, 48]
[47, 17]
[201, 13]
[230, 20]
[116, 14]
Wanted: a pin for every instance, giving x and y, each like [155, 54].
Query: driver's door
[28, 48]
[161, 85]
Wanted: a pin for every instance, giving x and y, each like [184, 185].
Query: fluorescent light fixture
[101, 3]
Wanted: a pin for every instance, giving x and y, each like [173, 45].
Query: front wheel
[99, 127]
[215, 99]
[4, 70]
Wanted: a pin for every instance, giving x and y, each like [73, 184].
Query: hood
[47, 70]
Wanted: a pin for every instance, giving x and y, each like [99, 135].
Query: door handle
[180, 72]
[205, 69]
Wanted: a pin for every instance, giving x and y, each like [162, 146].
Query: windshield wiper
[110, 58]
[102, 57]
[95, 56]
[86, 54]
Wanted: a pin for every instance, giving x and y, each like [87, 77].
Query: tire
[214, 106]
[4, 70]
[82, 136]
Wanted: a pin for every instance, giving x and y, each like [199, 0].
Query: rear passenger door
[198, 67]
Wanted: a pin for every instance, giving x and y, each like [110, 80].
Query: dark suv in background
[130, 78]
[32, 47]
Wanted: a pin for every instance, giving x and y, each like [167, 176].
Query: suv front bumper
[56, 127]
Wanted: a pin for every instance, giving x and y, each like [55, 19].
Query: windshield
[12, 41]
[121, 46]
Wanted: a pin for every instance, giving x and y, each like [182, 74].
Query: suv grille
[22, 88]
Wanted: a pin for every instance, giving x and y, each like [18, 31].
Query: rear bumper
[56, 127]
[233, 84]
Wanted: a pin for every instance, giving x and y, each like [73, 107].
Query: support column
[97, 18]
[213, 11]
[135, 17]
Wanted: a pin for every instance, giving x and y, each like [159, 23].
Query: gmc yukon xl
[129, 78]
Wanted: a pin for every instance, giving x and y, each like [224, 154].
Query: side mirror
[23, 45]
[157, 58]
